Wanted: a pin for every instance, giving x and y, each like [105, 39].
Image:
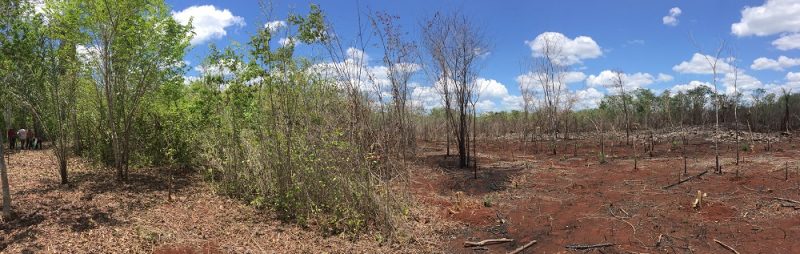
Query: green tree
[49, 59]
[136, 46]
[16, 24]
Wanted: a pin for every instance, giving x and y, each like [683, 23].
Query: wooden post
[786, 171]
[575, 149]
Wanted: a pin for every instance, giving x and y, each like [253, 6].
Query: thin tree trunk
[553, 143]
[448, 140]
[602, 146]
[635, 155]
[685, 164]
[716, 131]
[462, 146]
[627, 123]
[4, 182]
[62, 169]
[786, 111]
[474, 143]
[652, 143]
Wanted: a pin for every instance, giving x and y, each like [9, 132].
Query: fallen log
[468, 244]
[520, 249]
[790, 205]
[586, 247]
[726, 246]
[685, 180]
[787, 200]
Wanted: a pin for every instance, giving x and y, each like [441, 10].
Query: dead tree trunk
[786, 95]
[685, 165]
[6, 189]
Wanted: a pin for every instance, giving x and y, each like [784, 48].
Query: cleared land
[559, 201]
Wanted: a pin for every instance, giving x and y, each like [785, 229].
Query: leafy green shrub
[745, 147]
[281, 137]
[675, 145]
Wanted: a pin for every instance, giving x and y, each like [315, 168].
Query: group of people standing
[27, 139]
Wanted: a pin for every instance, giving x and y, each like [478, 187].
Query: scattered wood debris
[726, 246]
[586, 247]
[468, 244]
[698, 199]
[685, 180]
[788, 203]
[523, 247]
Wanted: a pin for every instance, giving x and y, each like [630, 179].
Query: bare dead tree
[399, 57]
[435, 34]
[735, 72]
[600, 128]
[786, 94]
[350, 72]
[528, 106]
[618, 83]
[549, 72]
[713, 62]
[455, 45]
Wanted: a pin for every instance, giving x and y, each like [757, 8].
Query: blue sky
[649, 40]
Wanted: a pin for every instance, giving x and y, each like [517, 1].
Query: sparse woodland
[325, 143]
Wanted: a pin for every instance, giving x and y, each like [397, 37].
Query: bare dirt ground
[557, 200]
[95, 214]
[573, 200]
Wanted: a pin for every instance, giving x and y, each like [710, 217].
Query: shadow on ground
[92, 198]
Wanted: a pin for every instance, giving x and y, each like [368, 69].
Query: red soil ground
[557, 200]
[566, 199]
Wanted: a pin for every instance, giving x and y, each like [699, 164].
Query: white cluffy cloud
[699, 64]
[744, 83]
[792, 81]
[672, 18]
[689, 86]
[631, 81]
[582, 98]
[664, 77]
[225, 68]
[763, 63]
[531, 80]
[492, 96]
[490, 88]
[354, 72]
[208, 22]
[288, 40]
[793, 77]
[787, 42]
[587, 98]
[274, 25]
[572, 51]
[774, 17]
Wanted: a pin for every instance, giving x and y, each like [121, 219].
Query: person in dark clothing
[31, 139]
[12, 138]
[36, 141]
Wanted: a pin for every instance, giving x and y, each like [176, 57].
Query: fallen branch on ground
[685, 180]
[658, 242]
[586, 247]
[520, 249]
[487, 242]
[726, 246]
[790, 205]
[787, 200]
